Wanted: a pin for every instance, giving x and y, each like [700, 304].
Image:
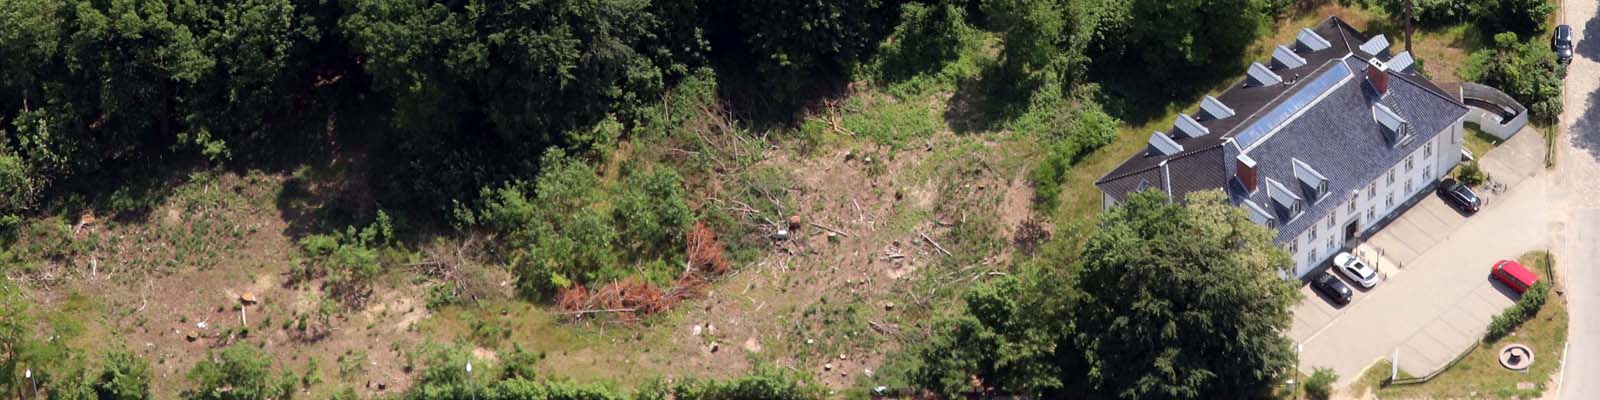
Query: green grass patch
[1480, 143]
[890, 122]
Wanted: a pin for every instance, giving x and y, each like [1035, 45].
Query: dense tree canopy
[1149, 310]
[1163, 286]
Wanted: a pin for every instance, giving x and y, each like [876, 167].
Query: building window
[1408, 162]
[1427, 149]
[1427, 172]
[1294, 246]
[1313, 234]
[1351, 209]
[1391, 178]
[1389, 202]
[1408, 184]
[1330, 219]
[1311, 259]
[1372, 214]
[1330, 244]
[1372, 190]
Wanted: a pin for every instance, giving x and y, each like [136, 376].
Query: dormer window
[1312, 183]
[1288, 204]
[1395, 128]
[1259, 215]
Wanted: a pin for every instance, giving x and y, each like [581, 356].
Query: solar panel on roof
[1286, 58]
[1311, 40]
[1307, 94]
[1261, 76]
[1401, 62]
[1214, 108]
[1376, 45]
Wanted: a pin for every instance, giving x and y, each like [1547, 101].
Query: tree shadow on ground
[1585, 131]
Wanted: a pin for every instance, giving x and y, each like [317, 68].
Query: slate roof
[1339, 137]
[1336, 135]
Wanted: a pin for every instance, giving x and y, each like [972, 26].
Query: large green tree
[1148, 308]
[1183, 301]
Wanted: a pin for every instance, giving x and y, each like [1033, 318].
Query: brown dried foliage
[631, 298]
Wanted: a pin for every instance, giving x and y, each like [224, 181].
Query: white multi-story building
[1323, 143]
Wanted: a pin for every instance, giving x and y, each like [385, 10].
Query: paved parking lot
[1436, 297]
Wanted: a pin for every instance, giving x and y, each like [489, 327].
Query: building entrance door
[1351, 229]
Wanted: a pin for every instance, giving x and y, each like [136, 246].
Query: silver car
[1355, 269]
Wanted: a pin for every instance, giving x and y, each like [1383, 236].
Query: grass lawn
[1480, 143]
[1479, 375]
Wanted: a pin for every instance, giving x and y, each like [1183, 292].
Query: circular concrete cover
[1516, 356]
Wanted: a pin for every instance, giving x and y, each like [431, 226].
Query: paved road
[1576, 204]
[1441, 301]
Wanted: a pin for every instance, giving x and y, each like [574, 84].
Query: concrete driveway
[1436, 299]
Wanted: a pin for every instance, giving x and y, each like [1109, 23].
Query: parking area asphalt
[1436, 297]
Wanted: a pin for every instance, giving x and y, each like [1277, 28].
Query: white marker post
[1394, 366]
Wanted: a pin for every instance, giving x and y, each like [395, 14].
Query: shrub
[238, 372]
[16, 191]
[1526, 71]
[124, 377]
[650, 212]
[1472, 174]
[1086, 129]
[1320, 384]
[1525, 308]
[348, 258]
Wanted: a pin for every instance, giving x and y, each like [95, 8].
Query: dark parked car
[1561, 43]
[1331, 287]
[1459, 195]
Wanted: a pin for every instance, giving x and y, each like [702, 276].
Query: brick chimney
[1378, 76]
[1245, 170]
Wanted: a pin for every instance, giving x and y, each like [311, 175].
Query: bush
[1472, 174]
[1087, 128]
[1513, 317]
[239, 372]
[124, 377]
[348, 258]
[16, 191]
[1320, 384]
[1526, 71]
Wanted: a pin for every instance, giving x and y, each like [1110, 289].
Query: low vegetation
[1320, 385]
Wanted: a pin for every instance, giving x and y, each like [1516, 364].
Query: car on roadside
[1514, 275]
[1355, 269]
[1331, 287]
[1561, 43]
[1460, 195]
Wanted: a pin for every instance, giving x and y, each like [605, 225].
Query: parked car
[1356, 270]
[1514, 275]
[1331, 287]
[1561, 43]
[1459, 195]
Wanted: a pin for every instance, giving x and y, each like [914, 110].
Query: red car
[1512, 274]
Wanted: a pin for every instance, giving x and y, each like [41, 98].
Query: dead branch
[841, 233]
[935, 244]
